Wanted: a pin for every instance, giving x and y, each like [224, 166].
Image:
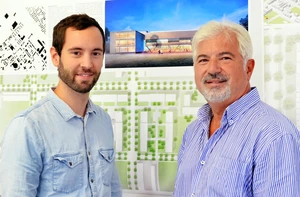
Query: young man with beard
[238, 145]
[63, 145]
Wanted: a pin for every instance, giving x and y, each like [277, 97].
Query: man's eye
[76, 53]
[202, 60]
[96, 54]
[226, 58]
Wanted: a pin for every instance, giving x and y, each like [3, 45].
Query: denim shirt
[48, 150]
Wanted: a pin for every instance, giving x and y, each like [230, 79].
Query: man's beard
[68, 78]
[216, 94]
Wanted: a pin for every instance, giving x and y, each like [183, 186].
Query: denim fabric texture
[48, 150]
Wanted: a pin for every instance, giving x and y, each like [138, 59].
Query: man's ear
[249, 68]
[54, 56]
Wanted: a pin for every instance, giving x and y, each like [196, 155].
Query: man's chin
[215, 96]
[213, 100]
[83, 88]
[83, 91]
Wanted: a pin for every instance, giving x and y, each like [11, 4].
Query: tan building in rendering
[151, 42]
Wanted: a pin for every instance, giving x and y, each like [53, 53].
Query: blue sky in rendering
[170, 15]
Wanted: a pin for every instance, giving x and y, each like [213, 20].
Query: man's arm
[277, 170]
[181, 149]
[116, 187]
[21, 162]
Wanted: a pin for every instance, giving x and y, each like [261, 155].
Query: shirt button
[89, 153]
[202, 162]
[70, 163]
[92, 180]
[192, 195]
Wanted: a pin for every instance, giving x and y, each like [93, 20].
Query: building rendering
[169, 41]
[126, 42]
[151, 42]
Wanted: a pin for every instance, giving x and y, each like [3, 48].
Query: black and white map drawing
[22, 41]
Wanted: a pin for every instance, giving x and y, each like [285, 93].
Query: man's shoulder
[270, 120]
[272, 114]
[36, 108]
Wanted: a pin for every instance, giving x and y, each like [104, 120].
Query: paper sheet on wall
[26, 34]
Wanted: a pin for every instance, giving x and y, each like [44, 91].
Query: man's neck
[218, 110]
[215, 123]
[76, 101]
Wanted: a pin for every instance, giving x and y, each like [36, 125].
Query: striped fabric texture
[255, 152]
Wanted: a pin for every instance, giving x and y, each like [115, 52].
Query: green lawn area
[167, 174]
[270, 15]
[143, 103]
[182, 124]
[296, 10]
[279, 20]
[122, 103]
[111, 104]
[122, 169]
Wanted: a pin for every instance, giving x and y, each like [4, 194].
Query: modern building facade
[126, 42]
[169, 41]
[151, 42]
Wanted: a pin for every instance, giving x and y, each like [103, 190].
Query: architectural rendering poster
[159, 33]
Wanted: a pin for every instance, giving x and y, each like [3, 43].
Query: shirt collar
[66, 112]
[91, 107]
[235, 110]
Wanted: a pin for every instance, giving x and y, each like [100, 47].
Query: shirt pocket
[67, 172]
[227, 178]
[107, 157]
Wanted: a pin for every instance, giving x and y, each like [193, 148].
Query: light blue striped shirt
[255, 152]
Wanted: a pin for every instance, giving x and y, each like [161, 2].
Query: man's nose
[86, 61]
[214, 66]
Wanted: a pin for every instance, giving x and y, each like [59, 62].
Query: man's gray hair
[228, 28]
